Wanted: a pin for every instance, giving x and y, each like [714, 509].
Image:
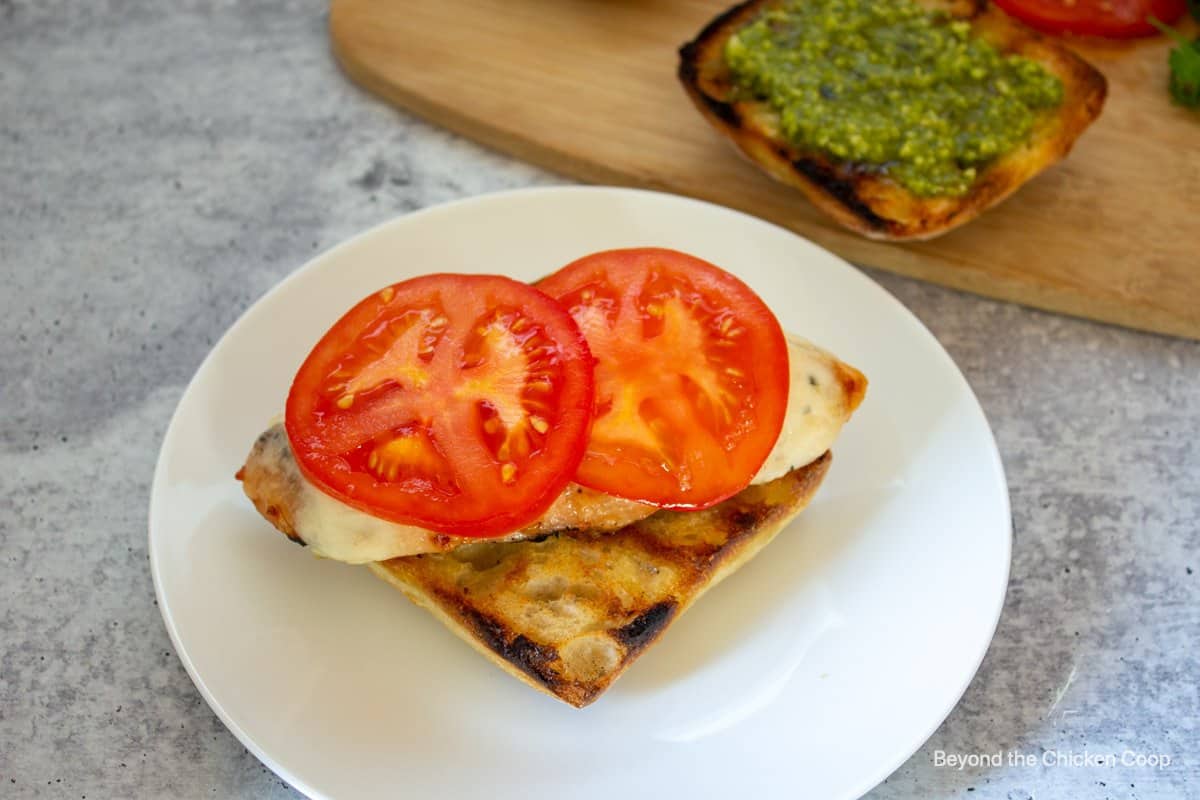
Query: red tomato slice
[1115, 19]
[691, 375]
[457, 403]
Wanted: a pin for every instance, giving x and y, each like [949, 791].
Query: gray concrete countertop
[164, 164]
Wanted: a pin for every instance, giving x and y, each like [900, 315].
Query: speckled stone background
[164, 164]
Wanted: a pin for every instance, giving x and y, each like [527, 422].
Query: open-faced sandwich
[901, 119]
[556, 472]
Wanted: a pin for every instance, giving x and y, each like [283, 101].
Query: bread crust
[569, 613]
[853, 194]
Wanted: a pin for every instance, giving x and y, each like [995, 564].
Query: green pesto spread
[891, 86]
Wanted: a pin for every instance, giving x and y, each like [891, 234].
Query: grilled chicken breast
[824, 393]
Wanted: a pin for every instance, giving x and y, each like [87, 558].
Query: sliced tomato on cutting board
[457, 403]
[691, 375]
[1115, 19]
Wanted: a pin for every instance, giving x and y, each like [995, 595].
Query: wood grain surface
[587, 88]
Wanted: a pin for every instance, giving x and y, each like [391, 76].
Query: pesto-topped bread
[900, 119]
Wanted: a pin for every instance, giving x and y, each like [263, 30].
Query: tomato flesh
[691, 375]
[1115, 19]
[457, 403]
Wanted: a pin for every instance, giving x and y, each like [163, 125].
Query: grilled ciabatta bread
[568, 613]
[866, 200]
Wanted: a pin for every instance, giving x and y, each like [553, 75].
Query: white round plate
[815, 671]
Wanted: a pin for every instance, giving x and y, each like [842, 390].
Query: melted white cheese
[335, 530]
[817, 408]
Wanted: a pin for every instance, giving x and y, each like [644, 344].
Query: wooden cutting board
[587, 88]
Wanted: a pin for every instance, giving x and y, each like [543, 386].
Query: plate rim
[873, 777]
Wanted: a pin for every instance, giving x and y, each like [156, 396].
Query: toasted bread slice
[567, 614]
[864, 200]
